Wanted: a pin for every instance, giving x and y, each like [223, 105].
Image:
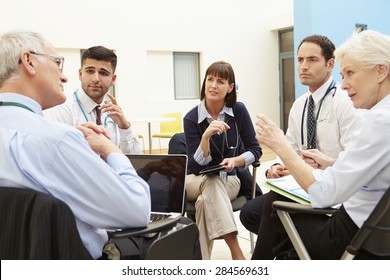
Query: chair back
[36, 225]
[172, 126]
[374, 235]
[176, 245]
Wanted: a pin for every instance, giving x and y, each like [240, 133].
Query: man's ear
[28, 63]
[113, 79]
[383, 72]
[331, 64]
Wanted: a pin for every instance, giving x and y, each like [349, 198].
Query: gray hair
[12, 44]
[368, 48]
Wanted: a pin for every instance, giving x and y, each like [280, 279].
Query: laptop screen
[165, 175]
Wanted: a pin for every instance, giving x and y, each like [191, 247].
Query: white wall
[144, 33]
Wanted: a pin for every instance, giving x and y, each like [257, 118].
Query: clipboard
[212, 169]
[288, 187]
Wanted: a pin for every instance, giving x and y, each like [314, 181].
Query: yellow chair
[169, 128]
[141, 137]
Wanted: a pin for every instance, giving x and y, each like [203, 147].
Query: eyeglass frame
[61, 59]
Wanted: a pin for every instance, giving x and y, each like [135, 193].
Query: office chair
[177, 245]
[36, 225]
[169, 128]
[249, 188]
[175, 242]
[373, 237]
[141, 137]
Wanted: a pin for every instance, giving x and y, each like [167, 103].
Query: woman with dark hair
[213, 130]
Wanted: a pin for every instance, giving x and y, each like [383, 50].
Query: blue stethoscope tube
[84, 113]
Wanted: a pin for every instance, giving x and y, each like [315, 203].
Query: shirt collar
[88, 104]
[319, 93]
[203, 114]
[20, 98]
[384, 103]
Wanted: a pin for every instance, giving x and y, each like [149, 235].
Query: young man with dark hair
[89, 103]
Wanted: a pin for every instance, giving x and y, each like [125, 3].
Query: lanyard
[331, 87]
[84, 113]
[15, 104]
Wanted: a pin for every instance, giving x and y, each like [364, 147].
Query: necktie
[98, 115]
[99, 122]
[311, 125]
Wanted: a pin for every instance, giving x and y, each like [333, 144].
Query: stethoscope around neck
[331, 87]
[85, 114]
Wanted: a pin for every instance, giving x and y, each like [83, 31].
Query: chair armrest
[293, 207]
[254, 176]
[256, 164]
[151, 228]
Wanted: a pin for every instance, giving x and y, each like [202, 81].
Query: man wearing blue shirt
[56, 158]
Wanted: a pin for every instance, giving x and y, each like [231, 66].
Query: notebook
[289, 187]
[165, 175]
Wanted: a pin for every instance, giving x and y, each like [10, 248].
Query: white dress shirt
[336, 124]
[54, 158]
[79, 108]
[361, 174]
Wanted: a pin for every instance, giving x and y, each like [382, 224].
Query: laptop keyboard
[158, 216]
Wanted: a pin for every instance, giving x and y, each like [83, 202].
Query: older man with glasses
[57, 159]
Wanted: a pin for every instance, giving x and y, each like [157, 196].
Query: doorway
[286, 74]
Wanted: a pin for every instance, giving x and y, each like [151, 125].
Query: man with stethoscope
[335, 119]
[97, 75]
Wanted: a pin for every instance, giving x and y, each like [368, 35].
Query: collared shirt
[361, 173]
[54, 158]
[203, 114]
[336, 124]
[79, 109]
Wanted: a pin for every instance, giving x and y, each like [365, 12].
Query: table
[150, 121]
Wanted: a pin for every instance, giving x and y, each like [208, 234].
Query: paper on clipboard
[290, 185]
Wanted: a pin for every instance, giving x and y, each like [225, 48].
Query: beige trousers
[214, 213]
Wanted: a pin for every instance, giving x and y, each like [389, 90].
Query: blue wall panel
[336, 19]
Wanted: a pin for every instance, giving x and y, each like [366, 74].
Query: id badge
[223, 175]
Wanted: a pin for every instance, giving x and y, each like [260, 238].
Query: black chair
[373, 237]
[36, 225]
[176, 242]
[176, 245]
[249, 188]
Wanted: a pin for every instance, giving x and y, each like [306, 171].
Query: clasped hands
[98, 138]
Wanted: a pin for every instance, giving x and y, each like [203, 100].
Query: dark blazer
[36, 225]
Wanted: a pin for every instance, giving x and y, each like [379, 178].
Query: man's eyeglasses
[59, 60]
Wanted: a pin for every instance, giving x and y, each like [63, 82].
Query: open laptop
[165, 175]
